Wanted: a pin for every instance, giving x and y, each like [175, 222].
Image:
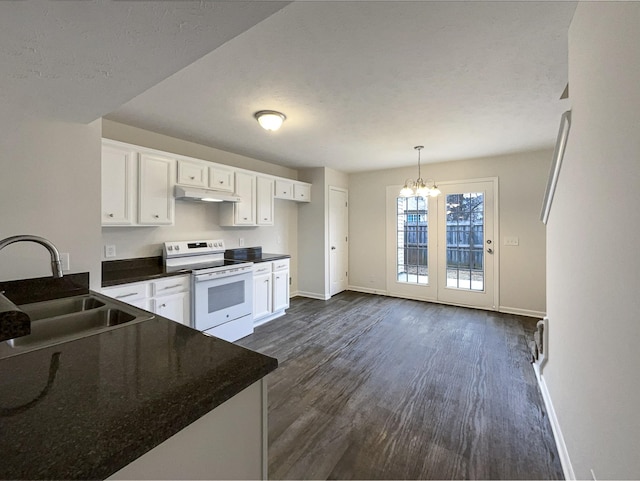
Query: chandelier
[417, 187]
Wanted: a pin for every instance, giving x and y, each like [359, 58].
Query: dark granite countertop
[270, 257]
[135, 270]
[148, 268]
[86, 408]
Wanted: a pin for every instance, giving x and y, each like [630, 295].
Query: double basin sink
[66, 319]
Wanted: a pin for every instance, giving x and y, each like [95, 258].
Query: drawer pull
[127, 295]
[171, 287]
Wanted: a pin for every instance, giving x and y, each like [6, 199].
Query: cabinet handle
[156, 216]
[221, 182]
[126, 295]
[192, 177]
[171, 287]
[265, 218]
[163, 305]
[110, 215]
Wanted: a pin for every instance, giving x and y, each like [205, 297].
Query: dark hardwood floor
[373, 387]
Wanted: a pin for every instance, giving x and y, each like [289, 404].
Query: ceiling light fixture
[417, 187]
[270, 119]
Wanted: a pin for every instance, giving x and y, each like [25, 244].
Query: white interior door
[467, 254]
[338, 240]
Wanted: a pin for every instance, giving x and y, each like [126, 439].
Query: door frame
[390, 242]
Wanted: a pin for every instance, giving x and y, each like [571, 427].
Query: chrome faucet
[56, 265]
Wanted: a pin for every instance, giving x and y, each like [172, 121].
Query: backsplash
[200, 221]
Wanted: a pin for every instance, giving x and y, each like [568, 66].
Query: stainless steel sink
[62, 320]
[60, 307]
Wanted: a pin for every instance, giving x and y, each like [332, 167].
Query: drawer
[280, 265]
[128, 292]
[261, 268]
[170, 285]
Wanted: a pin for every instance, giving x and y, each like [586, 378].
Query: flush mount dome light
[270, 119]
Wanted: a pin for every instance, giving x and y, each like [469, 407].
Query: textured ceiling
[78, 60]
[363, 82]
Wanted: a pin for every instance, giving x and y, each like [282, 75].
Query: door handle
[490, 250]
[333, 248]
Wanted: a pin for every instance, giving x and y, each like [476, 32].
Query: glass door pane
[465, 241]
[412, 245]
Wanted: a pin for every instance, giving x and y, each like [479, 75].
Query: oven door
[220, 299]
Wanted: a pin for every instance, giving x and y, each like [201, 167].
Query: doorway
[442, 249]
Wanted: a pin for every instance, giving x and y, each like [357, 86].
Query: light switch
[511, 241]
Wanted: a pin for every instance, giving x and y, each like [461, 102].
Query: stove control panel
[193, 248]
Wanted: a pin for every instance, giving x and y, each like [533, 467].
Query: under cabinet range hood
[204, 195]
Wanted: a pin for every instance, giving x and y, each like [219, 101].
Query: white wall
[196, 221]
[522, 181]
[50, 177]
[593, 266]
[313, 236]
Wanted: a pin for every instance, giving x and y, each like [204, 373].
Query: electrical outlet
[511, 241]
[64, 260]
[241, 242]
[109, 250]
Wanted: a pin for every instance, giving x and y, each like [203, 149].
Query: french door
[442, 249]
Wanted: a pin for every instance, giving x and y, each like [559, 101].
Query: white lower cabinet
[168, 297]
[171, 298]
[270, 290]
[262, 289]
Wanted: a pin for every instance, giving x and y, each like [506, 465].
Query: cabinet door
[244, 211]
[264, 201]
[221, 179]
[261, 295]
[155, 199]
[284, 189]
[302, 192]
[175, 307]
[280, 290]
[192, 173]
[118, 185]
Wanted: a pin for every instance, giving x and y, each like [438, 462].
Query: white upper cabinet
[301, 192]
[241, 213]
[284, 189]
[118, 185]
[155, 200]
[194, 174]
[138, 183]
[200, 173]
[136, 186]
[264, 200]
[221, 179]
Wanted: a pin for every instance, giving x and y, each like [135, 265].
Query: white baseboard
[567, 468]
[268, 318]
[521, 312]
[367, 290]
[314, 295]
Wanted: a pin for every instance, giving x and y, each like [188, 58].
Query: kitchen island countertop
[86, 408]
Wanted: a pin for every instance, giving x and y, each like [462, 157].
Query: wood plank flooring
[373, 387]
